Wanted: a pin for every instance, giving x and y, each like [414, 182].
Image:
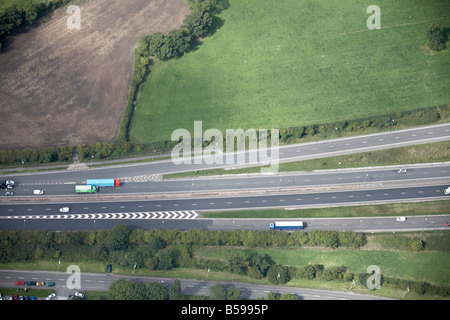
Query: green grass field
[295, 63]
[418, 266]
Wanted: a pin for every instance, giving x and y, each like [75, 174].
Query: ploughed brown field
[61, 86]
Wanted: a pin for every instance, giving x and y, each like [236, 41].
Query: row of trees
[94, 151]
[150, 247]
[251, 238]
[36, 156]
[178, 41]
[124, 289]
[196, 25]
[257, 266]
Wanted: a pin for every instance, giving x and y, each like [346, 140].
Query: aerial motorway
[135, 194]
[186, 213]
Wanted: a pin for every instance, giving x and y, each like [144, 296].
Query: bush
[278, 274]
[416, 244]
[197, 23]
[333, 273]
[307, 272]
[436, 36]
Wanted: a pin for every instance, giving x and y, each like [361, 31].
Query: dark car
[9, 193]
[109, 268]
[31, 283]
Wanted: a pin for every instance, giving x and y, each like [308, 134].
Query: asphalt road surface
[415, 174]
[185, 214]
[101, 282]
[289, 153]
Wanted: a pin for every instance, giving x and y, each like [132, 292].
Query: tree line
[160, 249]
[64, 153]
[125, 289]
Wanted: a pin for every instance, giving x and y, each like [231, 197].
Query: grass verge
[382, 210]
[426, 153]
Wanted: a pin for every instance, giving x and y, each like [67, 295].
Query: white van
[38, 191]
[447, 191]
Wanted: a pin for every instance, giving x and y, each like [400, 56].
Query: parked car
[79, 295]
[19, 283]
[31, 283]
[401, 219]
[50, 284]
[51, 296]
[40, 283]
[64, 209]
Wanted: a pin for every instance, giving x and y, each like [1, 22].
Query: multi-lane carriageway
[185, 213]
[147, 200]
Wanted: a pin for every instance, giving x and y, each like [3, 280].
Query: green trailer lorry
[85, 189]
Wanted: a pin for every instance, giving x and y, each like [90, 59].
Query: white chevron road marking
[124, 215]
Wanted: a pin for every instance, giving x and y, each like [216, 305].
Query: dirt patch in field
[61, 86]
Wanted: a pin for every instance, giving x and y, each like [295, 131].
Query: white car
[51, 296]
[9, 182]
[447, 191]
[38, 191]
[401, 170]
[79, 295]
[401, 219]
[64, 209]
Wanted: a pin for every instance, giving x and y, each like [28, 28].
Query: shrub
[416, 244]
[436, 37]
[278, 274]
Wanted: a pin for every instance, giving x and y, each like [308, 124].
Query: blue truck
[103, 182]
[286, 225]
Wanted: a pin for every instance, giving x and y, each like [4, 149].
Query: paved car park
[26, 290]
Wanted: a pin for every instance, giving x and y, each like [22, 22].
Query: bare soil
[61, 86]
